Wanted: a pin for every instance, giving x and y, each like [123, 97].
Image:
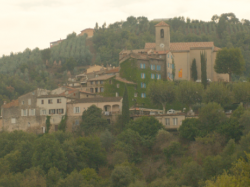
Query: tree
[245, 122]
[217, 92]
[189, 129]
[173, 69]
[48, 153]
[161, 93]
[239, 175]
[92, 120]
[125, 107]
[192, 174]
[211, 116]
[121, 176]
[241, 92]
[130, 142]
[194, 70]
[203, 69]
[107, 139]
[189, 93]
[229, 61]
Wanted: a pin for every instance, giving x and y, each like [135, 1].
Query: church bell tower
[162, 36]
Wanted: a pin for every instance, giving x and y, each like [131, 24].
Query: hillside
[36, 68]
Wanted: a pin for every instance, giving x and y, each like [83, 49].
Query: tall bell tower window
[162, 33]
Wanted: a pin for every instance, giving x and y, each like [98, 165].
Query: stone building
[23, 113]
[111, 108]
[183, 54]
[88, 31]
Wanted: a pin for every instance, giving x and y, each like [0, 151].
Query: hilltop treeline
[225, 30]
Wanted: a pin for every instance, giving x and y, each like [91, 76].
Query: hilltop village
[104, 86]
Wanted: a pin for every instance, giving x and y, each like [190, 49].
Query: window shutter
[74, 110]
[141, 84]
[144, 66]
[21, 112]
[159, 76]
[144, 85]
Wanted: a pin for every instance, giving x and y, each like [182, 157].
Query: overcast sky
[35, 23]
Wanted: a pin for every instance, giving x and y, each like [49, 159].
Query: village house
[88, 31]
[111, 108]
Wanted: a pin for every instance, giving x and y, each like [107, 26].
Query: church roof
[162, 23]
[184, 46]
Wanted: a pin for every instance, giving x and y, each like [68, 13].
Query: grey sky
[35, 23]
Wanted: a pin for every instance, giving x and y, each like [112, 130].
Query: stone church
[163, 52]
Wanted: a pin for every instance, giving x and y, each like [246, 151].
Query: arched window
[162, 33]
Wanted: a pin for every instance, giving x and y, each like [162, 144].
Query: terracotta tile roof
[87, 29]
[103, 77]
[114, 70]
[134, 51]
[217, 48]
[97, 100]
[87, 92]
[52, 96]
[162, 23]
[183, 46]
[13, 103]
[124, 80]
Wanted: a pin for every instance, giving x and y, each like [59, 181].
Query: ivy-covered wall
[129, 70]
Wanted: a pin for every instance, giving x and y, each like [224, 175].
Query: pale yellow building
[95, 68]
[184, 53]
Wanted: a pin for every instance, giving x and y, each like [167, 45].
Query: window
[59, 100]
[158, 67]
[162, 33]
[152, 67]
[22, 102]
[117, 94]
[59, 111]
[24, 112]
[101, 82]
[143, 85]
[77, 122]
[76, 110]
[32, 112]
[91, 82]
[175, 121]
[43, 130]
[172, 66]
[42, 102]
[168, 65]
[143, 95]
[118, 85]
[43, 112]
[96, 82]
[142, 66]
[29, 101]
[101, 89]
[13, 120]
[96, 90]
[135, 94]
[167, 121]
[52, 111]
[143, 75]
[50, 101]
[158, 76]
[152, 76]
[168, 55]
[91, 90]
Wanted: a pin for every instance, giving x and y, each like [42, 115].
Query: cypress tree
[125, 108]
[203, 69]
[194, 70]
